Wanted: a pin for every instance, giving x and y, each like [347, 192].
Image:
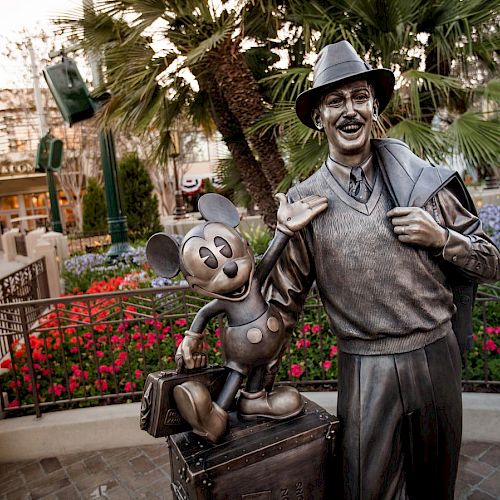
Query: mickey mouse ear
[217, 208]
[162, 253]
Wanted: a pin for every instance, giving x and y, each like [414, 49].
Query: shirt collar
[341, 172]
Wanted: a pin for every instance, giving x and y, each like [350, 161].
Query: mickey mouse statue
[218, 262]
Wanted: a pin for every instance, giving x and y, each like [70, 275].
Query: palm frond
[421, 138]
[287, 84]
[224, 31]
[303, 159]
[476, 138]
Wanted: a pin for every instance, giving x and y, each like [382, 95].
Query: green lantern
[70, 91]
[49, 154]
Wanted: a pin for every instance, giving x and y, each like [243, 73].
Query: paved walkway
[144, 473]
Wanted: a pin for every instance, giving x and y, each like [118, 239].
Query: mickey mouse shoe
[282, 403]
[196, 407]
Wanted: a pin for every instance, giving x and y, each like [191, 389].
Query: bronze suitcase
[259, 460]
[159, 415]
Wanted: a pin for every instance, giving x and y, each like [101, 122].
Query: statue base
[258, 460]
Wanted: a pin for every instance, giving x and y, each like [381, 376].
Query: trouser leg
[400, 423]
[370, 413]
[433, 421]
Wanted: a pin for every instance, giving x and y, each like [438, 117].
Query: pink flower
[130, 386]
[57, 389]
[99, 354]
[306, 327]
[123, 356]
[489, 345]
[333, 351]
[178, 339]
[303, 343]
[101, 385]
[327, 364]
[181, 322]
[136, 335]
[138, 373]
[296, 370]
[316, 329]
[218, 344]
[104, 369]
[166, 329]
[490, 330]
[74, 350]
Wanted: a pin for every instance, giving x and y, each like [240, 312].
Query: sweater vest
[381, 296]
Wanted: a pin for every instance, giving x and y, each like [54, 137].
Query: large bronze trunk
[290, 459]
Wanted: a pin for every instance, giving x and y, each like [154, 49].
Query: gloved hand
[189, 352]
[415, 226]
[294, 216]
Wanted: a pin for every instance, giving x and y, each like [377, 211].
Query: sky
[31, 15]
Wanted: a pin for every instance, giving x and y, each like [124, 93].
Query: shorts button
[254, 335]
[273, 324]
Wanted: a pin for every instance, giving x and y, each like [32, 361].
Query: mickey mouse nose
[230, 269]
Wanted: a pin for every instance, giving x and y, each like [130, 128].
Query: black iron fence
[97, 349]
[27, 284]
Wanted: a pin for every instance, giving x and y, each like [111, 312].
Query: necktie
[358, 186]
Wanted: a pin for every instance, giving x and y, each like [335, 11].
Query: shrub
[94, 207]
[139, 203]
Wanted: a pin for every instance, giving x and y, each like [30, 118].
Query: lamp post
[55, 215]
[174, 151]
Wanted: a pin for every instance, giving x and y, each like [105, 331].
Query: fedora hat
[337, 63]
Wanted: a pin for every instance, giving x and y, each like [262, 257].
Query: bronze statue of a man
[395, 257]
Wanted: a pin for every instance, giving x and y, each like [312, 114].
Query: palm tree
[201, 40]
[437, 47]
[439, 50]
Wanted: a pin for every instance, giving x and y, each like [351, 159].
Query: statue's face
[346, 115]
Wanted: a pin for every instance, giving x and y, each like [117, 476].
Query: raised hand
[415, 226]
[294, 216]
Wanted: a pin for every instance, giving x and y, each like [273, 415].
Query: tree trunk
[252, 176]
[241, 92]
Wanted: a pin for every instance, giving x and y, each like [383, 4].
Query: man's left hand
[415, 226]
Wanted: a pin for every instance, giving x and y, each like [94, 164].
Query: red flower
[99, 354]
[303, 343]
[178, 339]
[14, 403]
[104, 369]
[101, 385]
[327, 364]
[489, 345]
[130, 386]
[306, 327]
[123, 356]
[6, 363]
[316, 328]
[333, 351]
[181, 322]
[73, 350]
[296, 370]
[57, 389]
[138, 373]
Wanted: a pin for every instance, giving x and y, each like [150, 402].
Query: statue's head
[215, 258]
[346, 96]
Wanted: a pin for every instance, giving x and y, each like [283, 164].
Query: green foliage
[139, 203]
[258, 238]
[94, 207]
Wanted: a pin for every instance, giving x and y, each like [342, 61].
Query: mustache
[350, 122]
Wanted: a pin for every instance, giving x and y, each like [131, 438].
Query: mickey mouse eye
[208, 257]
[223, 247]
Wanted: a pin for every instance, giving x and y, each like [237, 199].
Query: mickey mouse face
[218, 264]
